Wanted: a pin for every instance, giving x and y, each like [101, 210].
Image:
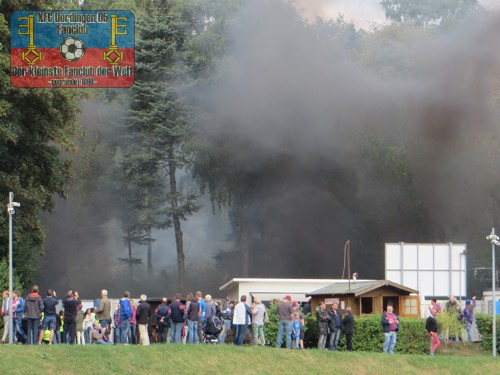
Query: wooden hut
[369, 297]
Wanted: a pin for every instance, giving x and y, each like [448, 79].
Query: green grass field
[227, 359]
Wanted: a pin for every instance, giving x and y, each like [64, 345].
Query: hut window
[410, 306]
[366, 305]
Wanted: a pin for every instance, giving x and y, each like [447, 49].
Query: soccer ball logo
[72, 49]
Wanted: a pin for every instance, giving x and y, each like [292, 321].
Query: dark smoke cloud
[294, 108]
[84, 245]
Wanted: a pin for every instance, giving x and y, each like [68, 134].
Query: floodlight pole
[349, 262]
[494, 239]
[11, 211]
[493, 288]
[464, 253]
[460, 280]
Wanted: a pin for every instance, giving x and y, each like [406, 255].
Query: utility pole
[494, 240]
[11, 211]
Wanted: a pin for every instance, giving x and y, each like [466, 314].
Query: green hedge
[368, 336]
[271, 328]
[485, 327]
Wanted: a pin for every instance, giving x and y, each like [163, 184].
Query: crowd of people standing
[176, 321]
[130, 322]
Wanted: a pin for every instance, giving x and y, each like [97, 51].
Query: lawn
[227, 359]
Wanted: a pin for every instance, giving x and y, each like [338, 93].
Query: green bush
[311, 332]
[412, 336]
[450, 326]
[271, 328]
[485, 327]
[368, 336]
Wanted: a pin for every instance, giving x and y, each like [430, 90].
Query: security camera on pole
[494, 240]
[11, 211]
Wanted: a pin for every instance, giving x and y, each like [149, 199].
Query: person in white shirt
[241, 319]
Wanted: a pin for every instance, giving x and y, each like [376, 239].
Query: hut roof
[358, 288]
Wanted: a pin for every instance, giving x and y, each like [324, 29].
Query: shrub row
[368, 336]
[485, 327]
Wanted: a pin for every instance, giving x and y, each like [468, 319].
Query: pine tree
[159, 126]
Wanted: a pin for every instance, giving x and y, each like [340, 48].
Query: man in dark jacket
[432, 328]
[306, 309]
[192, 318]
[163, 318]
[335, 326]
[49, 316]
[390, 323]
[348, 323]
[227, 317]
[142, 315]
[323, 320]
[69, 327]
[177, 316]
[34, 307]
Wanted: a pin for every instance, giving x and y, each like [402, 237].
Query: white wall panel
[411, 279]
[426, 283]
[426, 257]
[433, 269]
[394, 276]
[393, 256]
[441, 257]
[410, 257]
[442, 283]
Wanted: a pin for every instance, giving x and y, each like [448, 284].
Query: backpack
[226, 314]
[213, 326]
[216, 322]
[461, 317]
[125, 309]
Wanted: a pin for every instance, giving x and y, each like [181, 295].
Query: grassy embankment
[227, 359]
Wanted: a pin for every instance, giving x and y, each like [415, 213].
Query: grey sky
[362, 12]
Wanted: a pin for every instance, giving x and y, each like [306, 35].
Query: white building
[269, 289]
[436, 270]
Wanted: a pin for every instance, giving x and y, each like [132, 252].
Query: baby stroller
[211, 330]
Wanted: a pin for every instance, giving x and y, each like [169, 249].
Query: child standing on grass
[296, 331]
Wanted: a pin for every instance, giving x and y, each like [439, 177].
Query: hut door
[393, 301]
[366, 305]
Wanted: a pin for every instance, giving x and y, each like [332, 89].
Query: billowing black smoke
[339, 136]
[332, 136]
